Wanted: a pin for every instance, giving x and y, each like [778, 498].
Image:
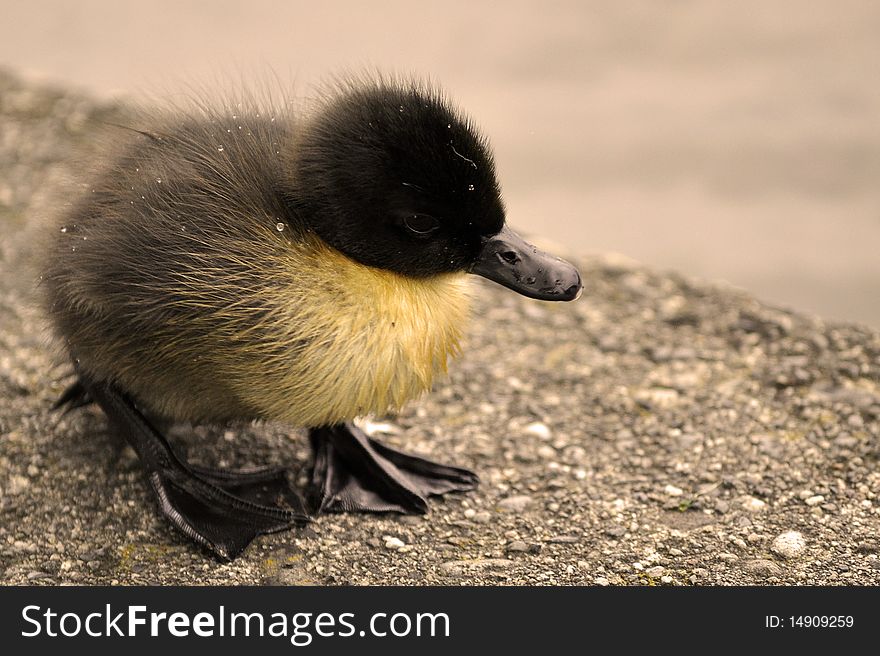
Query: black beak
[509, 260]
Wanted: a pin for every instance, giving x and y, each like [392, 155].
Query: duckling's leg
[75, 396]
[353, 472]
[216, 509]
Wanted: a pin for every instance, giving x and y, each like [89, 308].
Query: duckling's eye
[421, 224]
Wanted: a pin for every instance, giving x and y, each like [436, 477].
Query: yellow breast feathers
[355, 339]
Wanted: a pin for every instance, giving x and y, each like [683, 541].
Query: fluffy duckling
[249, 263]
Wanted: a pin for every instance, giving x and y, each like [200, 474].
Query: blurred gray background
[736, 141]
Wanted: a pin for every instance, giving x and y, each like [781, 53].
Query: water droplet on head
[159, 180]
[470, 187]
[279, 226]
[449, 126]
[64, 229]
[220, 148]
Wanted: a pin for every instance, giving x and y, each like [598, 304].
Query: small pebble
[658, 397]
[17, 484]
[379, 428]
[538, 430]
[516, 503]
[763, 567]
[855, 421]
[788, 545]
[673, 491]
[392, 542]
[615, 531]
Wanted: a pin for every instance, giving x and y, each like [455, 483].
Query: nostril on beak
[511, 257]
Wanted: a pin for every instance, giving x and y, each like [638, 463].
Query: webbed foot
[223, 511]
[353, 472]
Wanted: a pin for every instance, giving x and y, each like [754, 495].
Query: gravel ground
[659, 431]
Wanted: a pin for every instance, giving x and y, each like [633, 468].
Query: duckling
[265, 264]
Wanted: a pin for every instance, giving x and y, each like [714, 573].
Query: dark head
[392, 176]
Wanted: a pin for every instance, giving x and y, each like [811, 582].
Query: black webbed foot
[222, 511]
[353, 472]
[262, 485]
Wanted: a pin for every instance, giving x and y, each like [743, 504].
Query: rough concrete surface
[658, 431]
